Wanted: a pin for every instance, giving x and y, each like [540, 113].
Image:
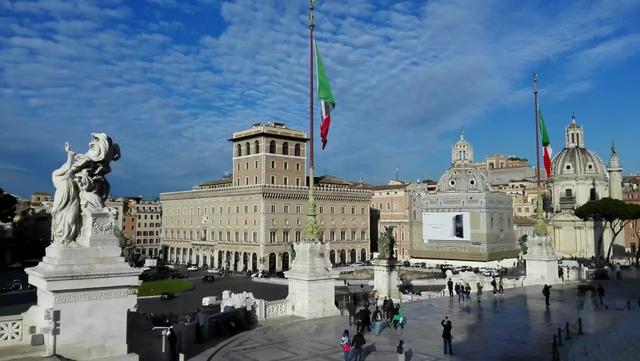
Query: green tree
[613, 212]
[7, 206]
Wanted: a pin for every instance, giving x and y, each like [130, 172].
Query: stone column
[385, 279]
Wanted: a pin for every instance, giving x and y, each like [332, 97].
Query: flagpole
[311, 231]
[540, 229]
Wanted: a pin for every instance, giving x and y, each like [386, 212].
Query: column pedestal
[91, 288]
[385, 279]
[542, 263]
[311, 281]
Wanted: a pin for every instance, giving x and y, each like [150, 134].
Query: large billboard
[446, 226]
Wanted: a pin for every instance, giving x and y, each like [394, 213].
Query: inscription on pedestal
[94, 295]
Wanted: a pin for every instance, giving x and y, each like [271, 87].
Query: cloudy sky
[171, 80]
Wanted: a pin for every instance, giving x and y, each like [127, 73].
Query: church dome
[463, 179]
[575, 159]
[462, 176]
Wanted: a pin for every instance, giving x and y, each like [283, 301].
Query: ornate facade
[465, 219]
[250, 219]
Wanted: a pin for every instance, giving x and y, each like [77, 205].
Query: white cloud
[403, 74]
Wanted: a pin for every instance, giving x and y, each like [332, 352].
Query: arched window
[272, 147]
[256, 147]
[239, 150]
[247, 148]
[296, 150]
[285, 148]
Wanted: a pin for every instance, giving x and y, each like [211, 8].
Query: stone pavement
[516, 327]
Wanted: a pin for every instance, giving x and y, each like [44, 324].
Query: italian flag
[545, 143]
[327, 102]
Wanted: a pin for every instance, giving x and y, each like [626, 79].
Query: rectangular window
[256, 164]
[388, 206]
[273, 208]
[220, 236]
[286, 165]
[363, 235]
[255, 208]
[255, 180]
[273, 179]
[245, 237]
[228, 236]
[321, 210]
[332, 235]
[285, 236]
[272, 236]
[246, 209]
[237, 236]
[285, 180]
[273, 164]
[353, 235]
[255, 237]
[297, 236]
[333, 209]
[237, 209]
[353, 210]
[285, 208]
[342, 235]
[342, 210]
[297, 166]
[298, 208]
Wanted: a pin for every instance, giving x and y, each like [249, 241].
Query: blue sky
[171, 80]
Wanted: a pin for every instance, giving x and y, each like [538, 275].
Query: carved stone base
[311, 282]
[385, 279]
[542, 264]
[92, 288]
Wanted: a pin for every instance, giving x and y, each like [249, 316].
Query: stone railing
[10, 330]
[278, 308]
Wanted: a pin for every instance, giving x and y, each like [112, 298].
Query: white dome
[463, 179]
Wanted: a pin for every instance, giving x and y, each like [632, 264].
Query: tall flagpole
[540, 228]
[311, 231]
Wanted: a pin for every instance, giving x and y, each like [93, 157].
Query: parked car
[192, 268]
[214, 271]
[208, 278]
[406, 264]
[167, 296]
[211, 301]
[491, 272]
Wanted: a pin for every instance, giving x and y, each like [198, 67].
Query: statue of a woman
[65, 223]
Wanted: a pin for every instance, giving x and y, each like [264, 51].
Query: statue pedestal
[385, 279]
[311, 281]
[542, 263]
[91, 288]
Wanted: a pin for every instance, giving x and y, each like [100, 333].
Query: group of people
[463, 289]
[390, 314]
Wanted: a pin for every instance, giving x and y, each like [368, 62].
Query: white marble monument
[385, 268]
[311, 278]
[542, 263]
[83, 280]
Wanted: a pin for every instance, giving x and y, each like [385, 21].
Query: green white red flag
[327, 101]
[546, 146]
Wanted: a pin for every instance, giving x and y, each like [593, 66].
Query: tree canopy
[613, 212]
[7, 206]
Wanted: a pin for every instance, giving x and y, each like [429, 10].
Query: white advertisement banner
[448, 226]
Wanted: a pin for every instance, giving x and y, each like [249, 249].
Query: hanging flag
[545, 143]
[327, 102]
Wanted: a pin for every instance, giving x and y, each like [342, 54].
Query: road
[190, 301]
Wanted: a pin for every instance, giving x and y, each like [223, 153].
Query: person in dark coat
[450, 287]
[366, 321]
[546, 291]
[446, 334]
[173, 340]
[494, 284]
[457, 289]
[351, 309]
[357, 343]
[360, 321]
[601, 294]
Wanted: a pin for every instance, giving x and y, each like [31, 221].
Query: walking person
[457, 288]
[450, 287]
[400, 350]
[398, 317]
[601, 294]
[501, 287]
[173, 340]
[377, 321]
[494, 284]
[479, 288]
[546, 291]
[357, 343]
[360, 321]
[351, 309]
[345, 345]
[366, 321]
[446, 334]
[467, 290]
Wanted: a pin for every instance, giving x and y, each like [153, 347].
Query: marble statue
[81, 186]
[386, 242]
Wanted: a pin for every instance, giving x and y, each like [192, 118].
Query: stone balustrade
[278, 308]
[11, 332]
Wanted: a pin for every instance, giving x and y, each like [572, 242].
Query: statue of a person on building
[81, 186]
[386, 243]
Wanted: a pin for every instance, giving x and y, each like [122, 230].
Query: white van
[211, 301]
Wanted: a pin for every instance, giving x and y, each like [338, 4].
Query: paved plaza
[516, 327]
